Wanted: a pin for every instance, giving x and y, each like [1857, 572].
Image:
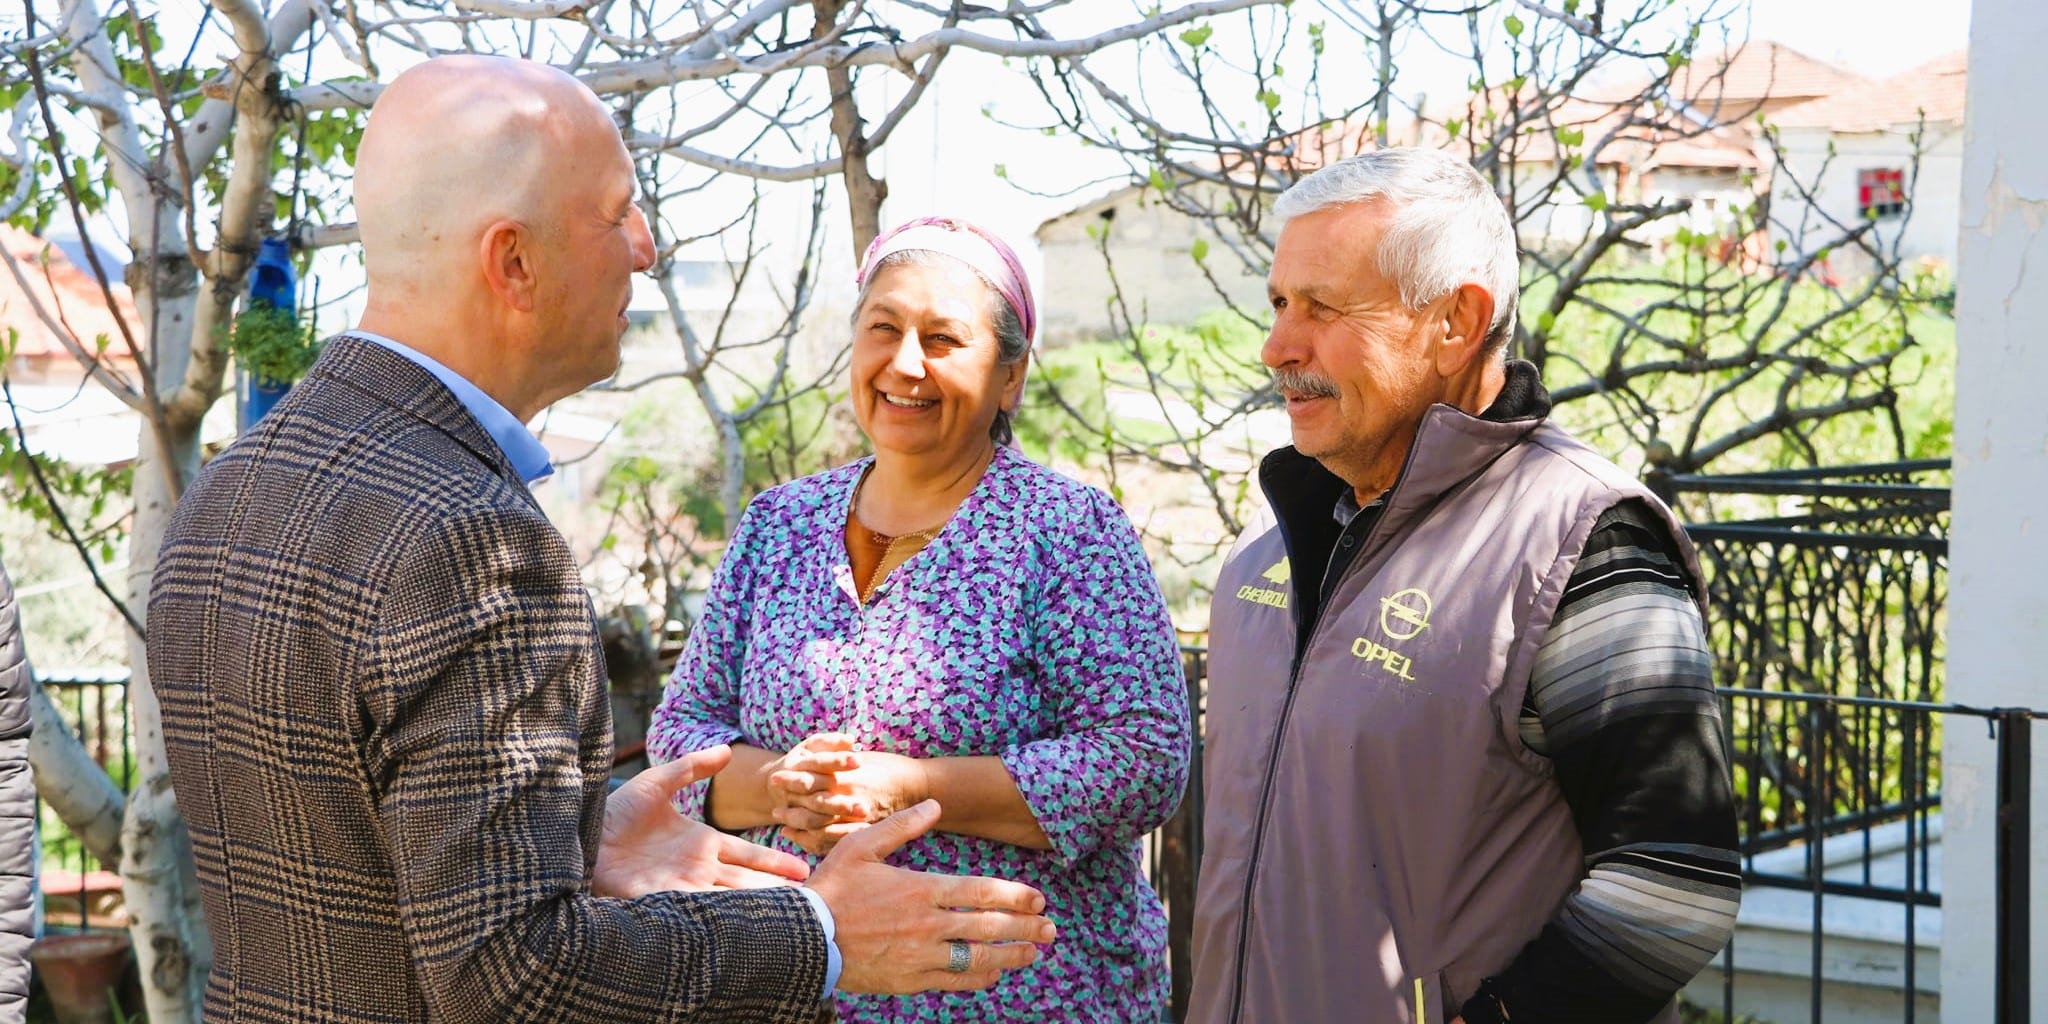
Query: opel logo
[1405, 614]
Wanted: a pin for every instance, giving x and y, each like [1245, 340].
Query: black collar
[1309, 501]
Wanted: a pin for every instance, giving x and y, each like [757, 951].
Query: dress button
[1349, 541]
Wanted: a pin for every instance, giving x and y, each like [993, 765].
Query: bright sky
[1873, 37]
[943, 161]
[943, 158]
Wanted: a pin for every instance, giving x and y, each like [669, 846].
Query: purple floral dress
[1031, 628]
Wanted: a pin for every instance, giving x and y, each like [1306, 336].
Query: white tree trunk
[157, 877]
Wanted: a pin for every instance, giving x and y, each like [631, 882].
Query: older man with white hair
[1465, 758]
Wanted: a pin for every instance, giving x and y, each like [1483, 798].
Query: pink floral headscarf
[969, 244]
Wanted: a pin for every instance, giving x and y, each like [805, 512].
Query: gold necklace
[887, 542]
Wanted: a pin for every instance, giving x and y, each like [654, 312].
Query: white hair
[1448, 227]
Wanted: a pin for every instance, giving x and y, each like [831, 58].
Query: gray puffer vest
[1376, 836]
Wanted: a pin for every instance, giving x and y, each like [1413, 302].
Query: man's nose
[1282, 347]
[643, 241]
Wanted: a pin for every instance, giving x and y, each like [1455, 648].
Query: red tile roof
[1642, 134]
[1935, 88]
[65, 293]
[1733, 83]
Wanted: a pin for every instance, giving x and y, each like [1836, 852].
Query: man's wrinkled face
[600, 240]
[1351, 360]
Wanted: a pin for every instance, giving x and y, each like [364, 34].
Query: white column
[1998, 604]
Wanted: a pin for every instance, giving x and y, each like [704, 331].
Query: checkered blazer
[389, 733]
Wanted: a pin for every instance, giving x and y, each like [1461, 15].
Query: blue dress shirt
[528, 457]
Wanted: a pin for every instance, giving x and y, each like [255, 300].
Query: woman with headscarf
[949, 620]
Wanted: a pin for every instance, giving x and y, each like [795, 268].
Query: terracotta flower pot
[81, 972]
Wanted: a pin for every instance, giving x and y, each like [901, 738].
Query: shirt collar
[528, 456]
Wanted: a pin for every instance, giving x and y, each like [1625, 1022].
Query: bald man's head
[495, 199]
[460, 142]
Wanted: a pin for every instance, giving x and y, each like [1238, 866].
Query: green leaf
[1200, 249]
[1270, 98]
[1513, 25]
[1453, 126]
[1158, 180]
[1546, 322]
[1571, 6]
[1597, 201]
[1196, 36]
[1571, 136]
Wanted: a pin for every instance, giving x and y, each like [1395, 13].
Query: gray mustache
[1303, 382]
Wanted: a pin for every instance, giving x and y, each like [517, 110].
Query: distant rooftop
[1757, 71]
[1936, 88]
[64, 292]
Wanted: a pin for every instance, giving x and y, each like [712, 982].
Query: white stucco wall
[1998, 611]
[1929, 229]
[1152, 249]
[1716, 194]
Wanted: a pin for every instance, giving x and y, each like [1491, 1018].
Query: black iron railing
[1826, 596]
[1824, 581]
[1805, 825]
[94, 704]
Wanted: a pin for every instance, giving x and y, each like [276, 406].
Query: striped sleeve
[1622, 701]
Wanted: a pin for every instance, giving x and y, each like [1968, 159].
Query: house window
[1881, 193]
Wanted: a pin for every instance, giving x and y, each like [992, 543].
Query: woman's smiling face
[927, 376]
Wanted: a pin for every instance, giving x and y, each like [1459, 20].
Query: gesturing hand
[894, 926]
[648, 846]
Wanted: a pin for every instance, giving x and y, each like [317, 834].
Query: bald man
[381, 686]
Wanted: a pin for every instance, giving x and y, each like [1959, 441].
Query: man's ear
[1468, 315]
[507, 253]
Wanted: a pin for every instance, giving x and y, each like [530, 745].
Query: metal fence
[1824, 581]
[1826, 596]
[1809, 821]
[78, 890]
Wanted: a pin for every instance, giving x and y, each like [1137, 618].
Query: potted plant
[80, 971]
[274, 350]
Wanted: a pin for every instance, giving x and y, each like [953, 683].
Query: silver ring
[959, 956]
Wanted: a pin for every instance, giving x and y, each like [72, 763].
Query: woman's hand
[804, 771]
[820, 803]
